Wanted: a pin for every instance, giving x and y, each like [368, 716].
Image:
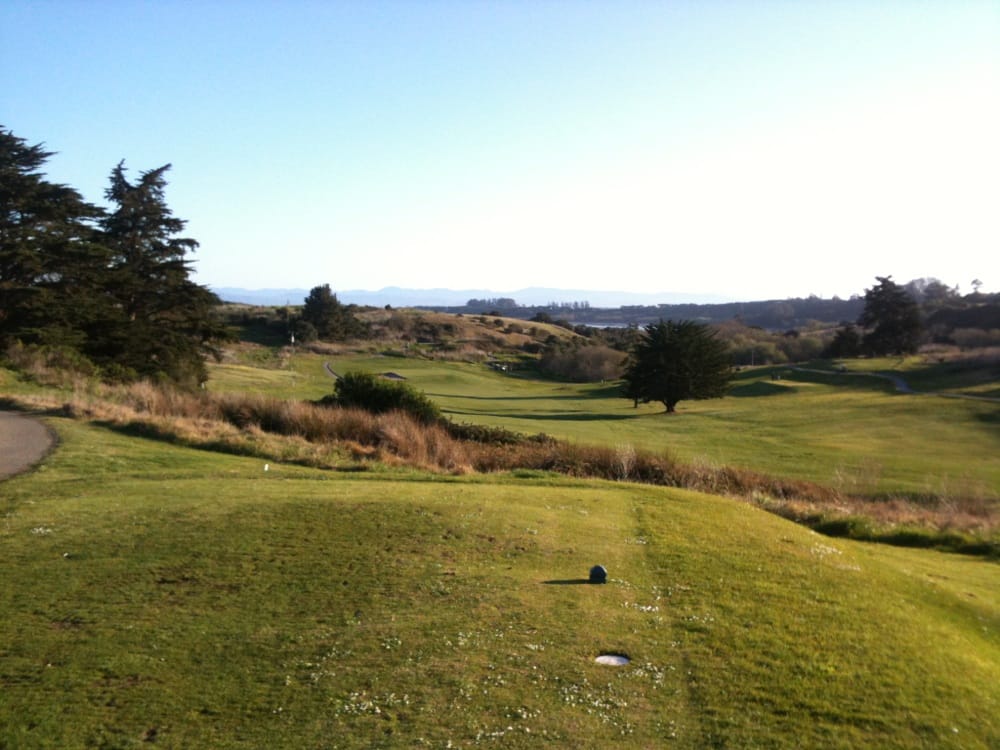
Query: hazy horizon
[749, 151]
[525, 296]
[445, 296]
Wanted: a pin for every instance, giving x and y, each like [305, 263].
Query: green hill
[160, 589]
[159, 593]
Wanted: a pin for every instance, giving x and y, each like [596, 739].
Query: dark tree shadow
[760, 388]
[568, 582]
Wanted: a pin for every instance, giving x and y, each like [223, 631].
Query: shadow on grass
[760, 388]
[572, 417]
[12, 404]
[992, 419]
[586, 393]
[569, 582]
[544, 397]
[862, 381]
[610, 390]
[569, 416]
[862, 529]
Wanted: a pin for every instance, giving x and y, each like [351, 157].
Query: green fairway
[159, 593]
[855, 434]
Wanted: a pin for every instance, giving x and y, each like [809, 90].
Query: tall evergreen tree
[891, 319]
[846, 342]
[51, 260]
[163, 325]
[673, 362]
[331, 319]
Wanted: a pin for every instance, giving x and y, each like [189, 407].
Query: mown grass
[953, 515]
[160, 593]
[971, 375]
[291, 379]
[857, 435]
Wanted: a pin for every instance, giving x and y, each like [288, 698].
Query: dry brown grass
[982, 354]
[327, 437]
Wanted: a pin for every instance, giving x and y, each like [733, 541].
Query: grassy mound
[160, 593]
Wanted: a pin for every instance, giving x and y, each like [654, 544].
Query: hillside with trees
[941, 326]
[772, 314]
[109, 291]
[942, 309]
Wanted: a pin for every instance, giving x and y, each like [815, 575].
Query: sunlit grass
[154, 592]
[855, 434]
[296, 380]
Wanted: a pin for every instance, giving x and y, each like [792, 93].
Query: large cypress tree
[163, 325]
[673, 362]
[891, 319]
[52, 262]
[332, 320]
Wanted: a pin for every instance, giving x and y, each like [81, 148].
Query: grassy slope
[969, 377]
[205, 602]
[856, 434]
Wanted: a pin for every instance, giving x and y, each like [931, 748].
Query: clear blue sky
[748, 149]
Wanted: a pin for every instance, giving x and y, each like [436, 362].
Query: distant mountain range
[400, 297]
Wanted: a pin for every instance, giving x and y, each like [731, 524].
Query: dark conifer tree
[846, 342]
[331, 320]
[673, 362]
[163, 324]
[891, 318]
[51, 260]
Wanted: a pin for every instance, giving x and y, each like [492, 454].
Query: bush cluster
[478, 433]
[373, 393]
[584, 364]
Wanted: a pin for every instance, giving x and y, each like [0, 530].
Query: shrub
[802, 348]
[852, 527]
[364, 390]
[970, 338]
[49, 365]
[483, 433]
[305, 331]
[586, 364]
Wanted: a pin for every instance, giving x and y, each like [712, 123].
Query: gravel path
[23, 442]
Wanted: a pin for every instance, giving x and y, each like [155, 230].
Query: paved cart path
[24, 441]
[901, 385]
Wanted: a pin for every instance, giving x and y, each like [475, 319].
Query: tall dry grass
[254, 423]
[331, 437]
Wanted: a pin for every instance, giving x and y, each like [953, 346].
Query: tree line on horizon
[111, 290]
[938, 303]
[890, 319]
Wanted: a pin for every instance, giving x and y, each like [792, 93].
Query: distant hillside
[580, 307]
[400, 297]
[772, 314]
